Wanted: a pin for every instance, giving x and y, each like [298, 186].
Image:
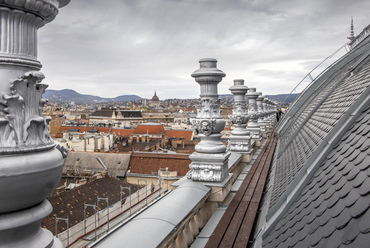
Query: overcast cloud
[118, 47]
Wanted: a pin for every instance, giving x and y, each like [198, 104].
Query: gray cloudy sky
[118, 47]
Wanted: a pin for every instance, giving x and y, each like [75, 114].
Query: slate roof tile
[334, 240]
[337, 209]
[353, 173]
[364, 190]
[311, 217]
[331, 174]
[347, 168]
[362, 240]
[344, 191]
[315, 237]
[359, 162]
[342, 219]
[364, 224]
[365, 146]
[352, 231]
[321, 210]
[354, 155]
[359, 208]
[336, 179]
[329, 193]
[333, 208]
[359, 179]
[328, 229]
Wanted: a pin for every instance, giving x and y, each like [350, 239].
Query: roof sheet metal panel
[158, 221]
[334, 207]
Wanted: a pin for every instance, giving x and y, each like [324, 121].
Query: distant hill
[67, 95]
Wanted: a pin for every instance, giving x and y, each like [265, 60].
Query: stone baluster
[239, 139]
[30, 162]
[261, 113]
[253, 126]
[272, 112]
[210, 161]
[266, 112]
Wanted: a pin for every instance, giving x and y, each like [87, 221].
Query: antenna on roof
[352, 33]
[102, 164]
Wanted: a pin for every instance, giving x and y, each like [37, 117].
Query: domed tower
[155, 101]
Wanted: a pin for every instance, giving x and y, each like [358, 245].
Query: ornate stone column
[272, 108]
[261, 113]
[266, 112]
[210, 161]
[30, 162]
[239, 139]
[253, 126]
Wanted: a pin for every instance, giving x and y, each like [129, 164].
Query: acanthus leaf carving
[21, 117]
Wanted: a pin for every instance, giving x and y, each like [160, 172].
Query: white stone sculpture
[30, 162]
[210, 161]
[253, 126]
[239, 141]
[261, 113]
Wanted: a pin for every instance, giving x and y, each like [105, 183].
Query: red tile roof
[120, 131]
[63, 129]
[146, 163]
[150, 129]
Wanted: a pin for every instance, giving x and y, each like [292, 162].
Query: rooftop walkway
[235, 226]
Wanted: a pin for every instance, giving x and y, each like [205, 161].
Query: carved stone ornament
[239, 141]
[253, 125]
[22, 126]
[240, 146]
[209, 108]
[209, 162]
[206, 172]
[204, 126]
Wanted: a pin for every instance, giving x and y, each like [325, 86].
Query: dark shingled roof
[71, 202]
[131, 114]
[315, 120]
[332, 210]
[103, 113]
[124, 113]
[319, 184]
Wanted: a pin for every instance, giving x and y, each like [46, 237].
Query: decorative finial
[352, 33]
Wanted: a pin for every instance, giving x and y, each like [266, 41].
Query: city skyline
[136, 47]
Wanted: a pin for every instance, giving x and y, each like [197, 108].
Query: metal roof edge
[182, 209]
[314, 161]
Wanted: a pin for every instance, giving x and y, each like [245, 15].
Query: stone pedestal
[240, 140]
[261, 113]
[30, 162]
[209, 162]
[265, 118]
[253, 126]
[209, 167]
